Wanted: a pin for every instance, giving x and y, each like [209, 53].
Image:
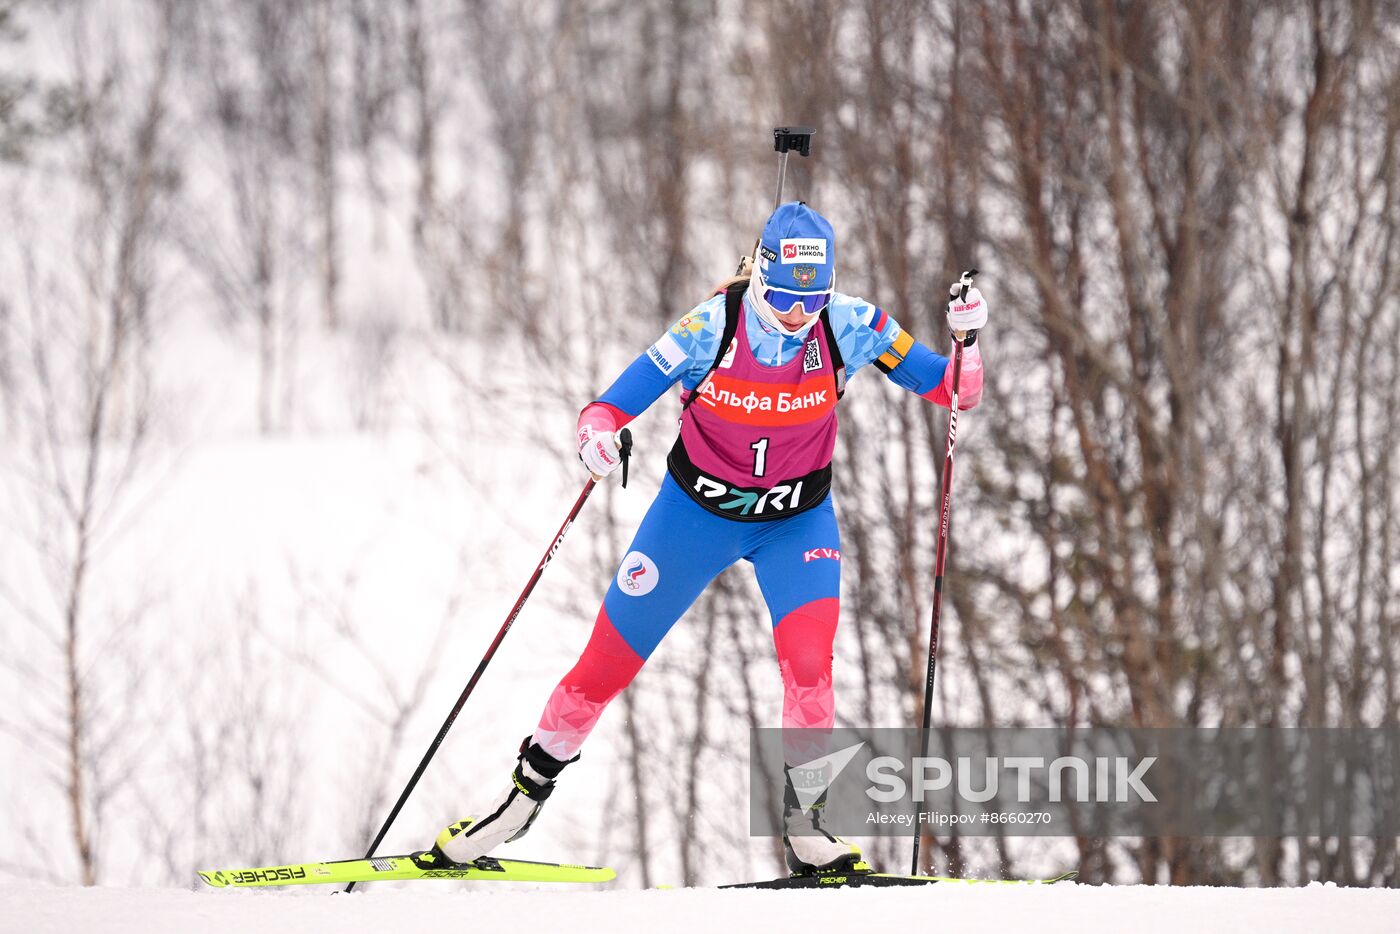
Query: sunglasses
[783, 300]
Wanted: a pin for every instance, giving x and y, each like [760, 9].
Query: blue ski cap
[797, 251]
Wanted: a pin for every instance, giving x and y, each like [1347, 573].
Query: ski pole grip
[966, 281]
[624, 438]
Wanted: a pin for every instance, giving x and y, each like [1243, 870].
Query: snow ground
[1074, 909]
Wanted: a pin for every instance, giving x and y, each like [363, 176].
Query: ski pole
[941, 553]
[625, 439]
[785, 139]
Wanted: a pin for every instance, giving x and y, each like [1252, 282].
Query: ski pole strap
[965, 280]
[624, 438]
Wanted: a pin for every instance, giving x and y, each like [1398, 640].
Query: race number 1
[760, 456]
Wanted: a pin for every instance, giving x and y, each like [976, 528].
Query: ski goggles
[785, 300]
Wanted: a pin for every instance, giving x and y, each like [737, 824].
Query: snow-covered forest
[299, 303]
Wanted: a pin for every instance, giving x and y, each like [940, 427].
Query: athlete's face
[794, 318]
[793, 309]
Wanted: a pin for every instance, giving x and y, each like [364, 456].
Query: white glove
[599, 451]
[969, 314]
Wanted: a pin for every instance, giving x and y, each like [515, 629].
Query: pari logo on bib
[638, 575]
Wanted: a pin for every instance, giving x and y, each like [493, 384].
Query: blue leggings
[678, 549]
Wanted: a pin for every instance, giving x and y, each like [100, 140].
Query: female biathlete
[762, 365]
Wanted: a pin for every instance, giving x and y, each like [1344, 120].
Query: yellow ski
[840, 880]
[422, 865]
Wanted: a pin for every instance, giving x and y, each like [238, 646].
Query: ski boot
[465, 841]
[809, 849]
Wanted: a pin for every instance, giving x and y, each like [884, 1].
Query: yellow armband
[895, 355]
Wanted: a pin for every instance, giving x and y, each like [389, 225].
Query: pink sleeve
[603, 417]
[969, 382]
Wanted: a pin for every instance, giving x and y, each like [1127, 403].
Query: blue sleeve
[684, 352]
[863, 331]
[921, 371]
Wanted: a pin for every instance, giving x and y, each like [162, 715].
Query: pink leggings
[803, 639]
[678, 550]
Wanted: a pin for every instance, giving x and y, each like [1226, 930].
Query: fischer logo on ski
[279, 874]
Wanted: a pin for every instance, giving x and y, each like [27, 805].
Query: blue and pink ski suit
[749, 477]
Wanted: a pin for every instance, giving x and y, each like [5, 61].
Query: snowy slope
[1068, 908]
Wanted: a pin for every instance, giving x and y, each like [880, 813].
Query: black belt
[748, 503]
